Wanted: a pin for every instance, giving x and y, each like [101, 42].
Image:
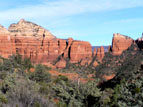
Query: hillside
[39, 70]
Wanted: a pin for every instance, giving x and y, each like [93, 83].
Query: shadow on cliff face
[69, 52]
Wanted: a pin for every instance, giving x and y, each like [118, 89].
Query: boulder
[120, 43]
[108, 77]
[95, 64]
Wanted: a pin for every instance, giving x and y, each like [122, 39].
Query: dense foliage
[19, 87]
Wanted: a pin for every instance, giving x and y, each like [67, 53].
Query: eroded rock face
[80, 50]
[30, 47]
[25, 28]
[7, 44]
[120, 43]
[34, 42]
[62, 46]
[94, 52]
[39, 50]
[100, 53]
[86, 61]
[38, 44]
[67, 51]
[61, 64]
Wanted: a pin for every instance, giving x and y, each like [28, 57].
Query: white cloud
[61, 8]
[55, 14]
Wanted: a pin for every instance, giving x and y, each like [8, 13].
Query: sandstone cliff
[120, 43]
[7, 43]
[100, 53]
[38, 44]
[80, 50]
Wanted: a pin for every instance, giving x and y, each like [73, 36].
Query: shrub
[24, 92]
[40, 74]
[3, 99]
[61, 78]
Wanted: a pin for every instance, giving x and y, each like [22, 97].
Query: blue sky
[89, 20]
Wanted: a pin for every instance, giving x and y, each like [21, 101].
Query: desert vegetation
[23, 84]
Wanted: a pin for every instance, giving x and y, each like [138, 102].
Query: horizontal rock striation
[33, 41]
[25, 28]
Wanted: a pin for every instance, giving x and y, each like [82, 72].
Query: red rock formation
[7, 45]
[108, 77]
[67, 51]
[29, 47]
[80, 50]
[61, 64]
[100, 53]
[38, 44]
[95, 63]
[26, 28]
[109, 48]
[62, 46]
[95, 52]
[120, 43]
[53, 51]
[86, 61]
[34, 42]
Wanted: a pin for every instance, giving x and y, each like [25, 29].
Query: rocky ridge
[33, 41]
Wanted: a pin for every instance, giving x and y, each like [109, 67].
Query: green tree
[40, 74]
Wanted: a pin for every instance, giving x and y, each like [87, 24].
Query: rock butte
[33, 41]
[80, 50]
[120, 43]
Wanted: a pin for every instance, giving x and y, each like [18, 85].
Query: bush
[61, 78]
[3, 99]
[15, 62]
[23, 92]
[40, 74]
